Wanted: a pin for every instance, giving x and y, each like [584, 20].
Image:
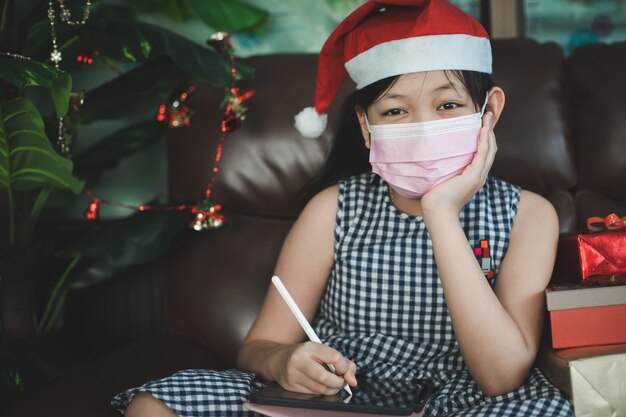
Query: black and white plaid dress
[384, 308]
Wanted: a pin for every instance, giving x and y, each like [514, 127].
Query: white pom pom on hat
[309, 123]
[384, 38]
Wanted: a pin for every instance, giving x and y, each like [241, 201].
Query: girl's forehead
[427, 82]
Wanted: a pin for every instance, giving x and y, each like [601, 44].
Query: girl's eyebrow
[393, 95]
[444, 87]
[448, 86]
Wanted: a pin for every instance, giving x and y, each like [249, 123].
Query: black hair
[348, 155]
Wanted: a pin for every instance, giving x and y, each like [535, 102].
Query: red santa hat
[385, 38]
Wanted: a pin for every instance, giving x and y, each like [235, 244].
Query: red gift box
[584, 316]
[591, 258]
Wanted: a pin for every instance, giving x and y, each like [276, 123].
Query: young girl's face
[422, 97]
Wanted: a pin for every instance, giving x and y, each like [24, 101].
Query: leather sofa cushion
[599, 125]
[217, 280]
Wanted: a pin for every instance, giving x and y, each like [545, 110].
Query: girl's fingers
[350, 376]
[493, 148]
[310, 386]
[485, 129]
[327, 355]
[301, 381]
[322, 375]
[486, 120]
[484, 154]
[344, 369]
[481, 153]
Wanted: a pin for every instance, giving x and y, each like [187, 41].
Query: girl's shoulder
[520, 203]
[325, 201]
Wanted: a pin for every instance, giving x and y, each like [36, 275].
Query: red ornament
[181, 117]
[231, 122]
[162, 113]
[207, 218]
[234, 110]
[93, 211]
[87, 57]
[175, 112]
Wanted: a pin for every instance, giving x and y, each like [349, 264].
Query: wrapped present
[586, 316]
[592, 378]
[591, 258]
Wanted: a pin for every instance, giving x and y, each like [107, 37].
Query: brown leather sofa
[562, 134]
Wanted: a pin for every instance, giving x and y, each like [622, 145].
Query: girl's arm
[273, 349]
[498, 331]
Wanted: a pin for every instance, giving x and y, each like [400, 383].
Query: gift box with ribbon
[593, 258]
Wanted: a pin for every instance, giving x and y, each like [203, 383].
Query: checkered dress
[384, 308]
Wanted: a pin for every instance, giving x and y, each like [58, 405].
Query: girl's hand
[301, 368]
[450, 196]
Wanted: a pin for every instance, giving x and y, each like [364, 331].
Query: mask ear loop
[367, 123]
[482, 110]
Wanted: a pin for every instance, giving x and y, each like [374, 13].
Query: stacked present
[586, 304]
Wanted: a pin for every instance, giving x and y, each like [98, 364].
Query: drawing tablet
[386, 397]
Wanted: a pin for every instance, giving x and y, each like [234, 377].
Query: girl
[385, 262]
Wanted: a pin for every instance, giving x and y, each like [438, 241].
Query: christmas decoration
[9, 54]
[64, 138]
[206, 214]
[87, 57]
[66, 16]
[220, 41]
[77, 99]
[93, 211]
[234, 111]
[207, 217]
[176, 113]
[373, 43]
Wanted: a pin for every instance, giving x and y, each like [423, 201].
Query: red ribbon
[610, 222]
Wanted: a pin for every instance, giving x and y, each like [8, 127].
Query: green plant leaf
[114, 32]
[24, 73]
[27, 160]
[107, 153]
[29, 361]
[177, 10]
[108, 247]
[229, 15]
[139, 90]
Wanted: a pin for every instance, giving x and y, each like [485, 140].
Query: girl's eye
[448, 106]
[394, 112]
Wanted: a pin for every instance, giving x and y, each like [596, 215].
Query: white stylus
[301, 319]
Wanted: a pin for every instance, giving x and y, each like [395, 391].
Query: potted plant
[153, 63]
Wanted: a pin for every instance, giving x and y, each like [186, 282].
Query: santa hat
[385, 38]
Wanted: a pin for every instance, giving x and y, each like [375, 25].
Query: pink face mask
[415, 157]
